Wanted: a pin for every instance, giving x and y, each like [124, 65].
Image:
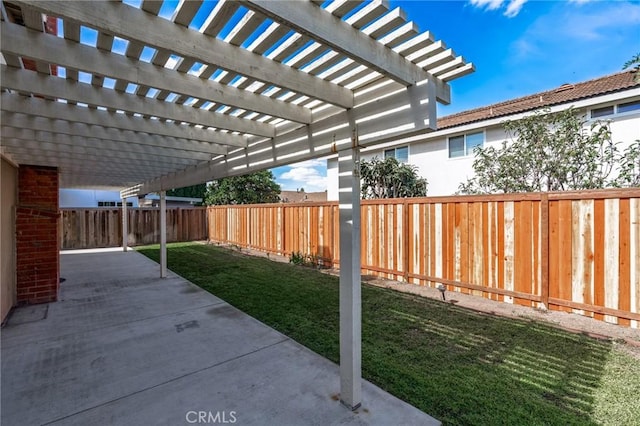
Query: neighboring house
[445, 157]
[302, 197]
[89, 199]
[153, 200]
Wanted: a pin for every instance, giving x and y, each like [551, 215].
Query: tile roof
[565, 93]
[302, 197]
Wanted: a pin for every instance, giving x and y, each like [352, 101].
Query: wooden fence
[574, 251]
[92, 228]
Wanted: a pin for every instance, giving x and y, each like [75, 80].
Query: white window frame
[395, 153]
[615, 108]
[467, 153]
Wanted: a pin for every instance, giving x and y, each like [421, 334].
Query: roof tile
[565, 93]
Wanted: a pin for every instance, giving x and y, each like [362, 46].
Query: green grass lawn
[457, 365]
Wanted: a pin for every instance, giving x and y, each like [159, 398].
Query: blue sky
[519, 47]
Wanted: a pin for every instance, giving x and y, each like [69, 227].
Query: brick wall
[37, 256]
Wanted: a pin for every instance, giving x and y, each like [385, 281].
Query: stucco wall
[8, 195]
[444, 174]
[88, 198]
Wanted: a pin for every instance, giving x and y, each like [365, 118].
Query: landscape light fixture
[442, 289]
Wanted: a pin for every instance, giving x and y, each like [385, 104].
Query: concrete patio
[124, 347]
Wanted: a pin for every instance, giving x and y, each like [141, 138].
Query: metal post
[163, 234]
[350, 304]
[125, 225]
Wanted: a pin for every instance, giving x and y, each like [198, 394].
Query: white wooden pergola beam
[92, 172]
[340, 8]
[140, 141]
[458, 72]
[222, 12]
[71, 55]
[33, 20]
[136, 25]
[187, 137]
[79, 92]
[379, 120]
[35, 136]
[94, 153]
[311, 20]
[186, 12]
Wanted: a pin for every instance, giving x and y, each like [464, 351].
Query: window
[462, 145]
[113, 204]
[602, 112]
[616, 109]
[401, 154]
[629, 106]
[456, 146]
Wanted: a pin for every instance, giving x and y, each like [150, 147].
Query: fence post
[227, 212]
[405, 239]
[544, 255]
[125, 225]
[163, 234]
[331, 235]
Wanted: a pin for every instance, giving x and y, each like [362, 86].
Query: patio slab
[124, 347]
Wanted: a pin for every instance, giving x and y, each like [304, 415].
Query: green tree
[194, 191]
[551, 152]
[630, 167]
[634, 64]
[390, 179]
[254, 188]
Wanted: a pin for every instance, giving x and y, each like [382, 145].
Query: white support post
[125, 225]
[350, 303]
[163, 234]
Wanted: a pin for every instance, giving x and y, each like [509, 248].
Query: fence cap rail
[595, 194]
[119, 209]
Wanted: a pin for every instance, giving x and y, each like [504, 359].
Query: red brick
[37, 258]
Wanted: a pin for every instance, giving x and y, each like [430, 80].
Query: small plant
[310, 260]
[297, 258]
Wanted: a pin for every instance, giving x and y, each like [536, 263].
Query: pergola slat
[16, 145]
[62, 89]
[191, 138]
[94, 156]
[187, 11]
[397, 37]
[141, 27]
[76, 56]
[38, 127]
[311, 20]
[34, 140]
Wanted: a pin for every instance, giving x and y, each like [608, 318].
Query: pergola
[128, 96]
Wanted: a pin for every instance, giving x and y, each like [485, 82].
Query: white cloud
[316, 162]
[513, 7]
[583, 29]
[487, 4]
[310, 175]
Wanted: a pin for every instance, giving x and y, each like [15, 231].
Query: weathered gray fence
[94, 228]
